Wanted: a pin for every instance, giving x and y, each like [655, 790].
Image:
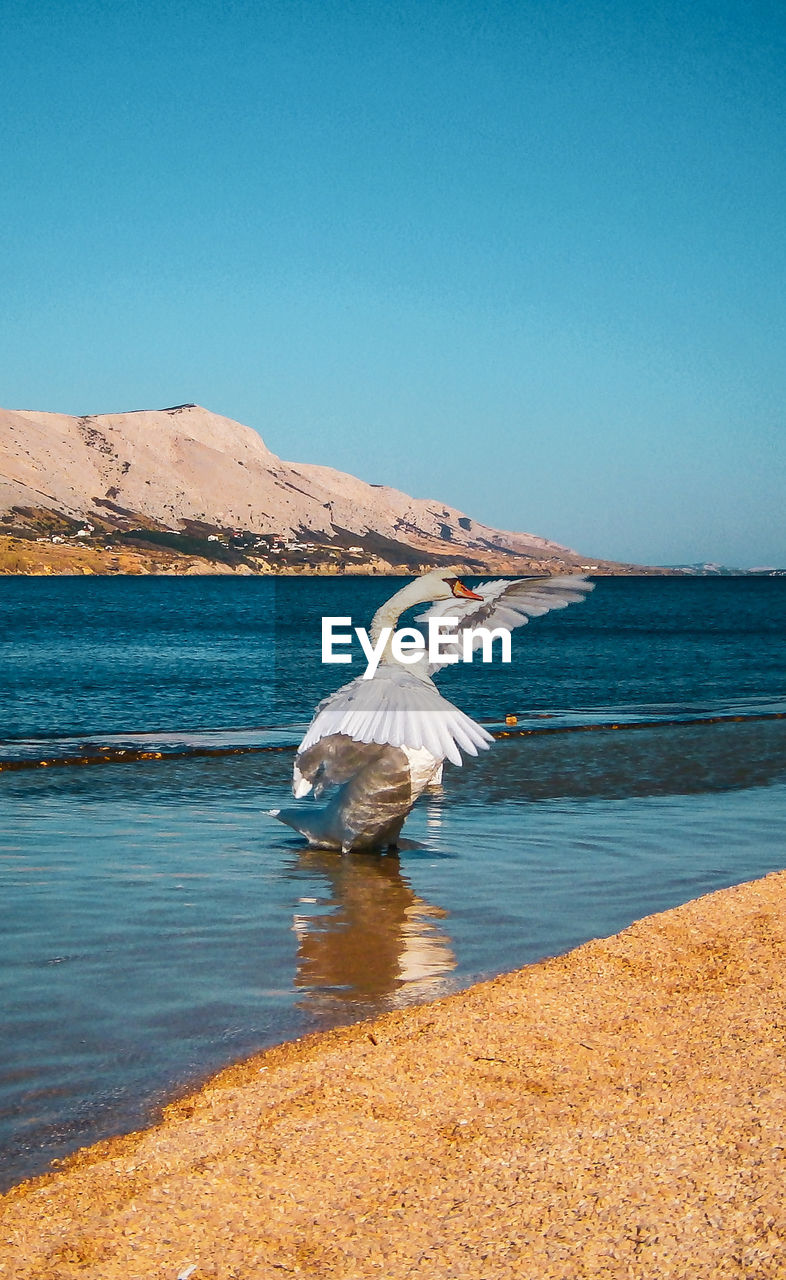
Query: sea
[157, 923]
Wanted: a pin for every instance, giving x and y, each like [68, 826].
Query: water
[157, 925]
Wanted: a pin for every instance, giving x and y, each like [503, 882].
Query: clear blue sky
[527, 258]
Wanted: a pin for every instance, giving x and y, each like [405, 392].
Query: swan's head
[443, 584]
[440, 584]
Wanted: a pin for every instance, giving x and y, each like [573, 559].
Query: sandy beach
[614, 1112]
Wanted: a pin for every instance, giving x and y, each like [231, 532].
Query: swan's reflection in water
[371, 943]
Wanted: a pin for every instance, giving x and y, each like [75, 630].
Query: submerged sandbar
[614, 1112]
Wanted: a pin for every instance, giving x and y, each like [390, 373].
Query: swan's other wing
[508, 604]
[397, 709]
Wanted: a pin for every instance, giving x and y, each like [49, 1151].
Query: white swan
[375, 745]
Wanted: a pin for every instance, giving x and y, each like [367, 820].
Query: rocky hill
[188, 470]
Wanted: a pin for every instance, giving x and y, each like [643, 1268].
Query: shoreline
[34, 557]
[615, 1111]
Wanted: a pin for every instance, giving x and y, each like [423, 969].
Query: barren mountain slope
[173, 466]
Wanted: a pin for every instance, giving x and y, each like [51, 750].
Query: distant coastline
[51, 545]
[30, 552]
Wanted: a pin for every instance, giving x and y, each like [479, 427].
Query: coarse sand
[619, 1111]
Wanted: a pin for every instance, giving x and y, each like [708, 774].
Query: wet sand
[616, 1112]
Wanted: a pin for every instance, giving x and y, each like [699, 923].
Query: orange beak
[460, 590]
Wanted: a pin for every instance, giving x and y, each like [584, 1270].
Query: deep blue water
[115, 654]
[156, 924]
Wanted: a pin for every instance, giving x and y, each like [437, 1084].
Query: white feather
[397, 709]
[506, 604]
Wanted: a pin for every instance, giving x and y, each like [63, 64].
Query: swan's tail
[314, 825]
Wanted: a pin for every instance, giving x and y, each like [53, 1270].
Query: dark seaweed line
[106, 755]
[128, 756]
[606, 725]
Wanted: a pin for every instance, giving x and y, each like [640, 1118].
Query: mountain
[189, 470]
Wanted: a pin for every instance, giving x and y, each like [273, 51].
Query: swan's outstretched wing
[397, 709]
[508, 604]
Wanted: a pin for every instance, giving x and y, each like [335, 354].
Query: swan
[375, 745]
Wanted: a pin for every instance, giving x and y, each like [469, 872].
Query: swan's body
[375, 745]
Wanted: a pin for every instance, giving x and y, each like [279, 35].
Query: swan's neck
[390, 612]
